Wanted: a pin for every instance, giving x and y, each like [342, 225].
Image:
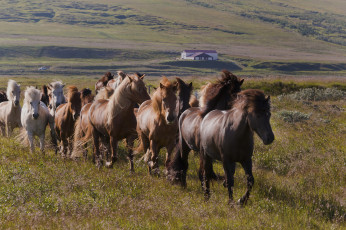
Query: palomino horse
[82, 124]
[65, 117]
[223, 93]
[3, 96]
[10, 110]
[56, 95]
[227, 136]
[113, 120]
[157, 123]
[35, 117]
[102, 82]
[114, 83]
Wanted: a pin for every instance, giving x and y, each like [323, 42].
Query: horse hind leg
[207, 169]
[250, 181]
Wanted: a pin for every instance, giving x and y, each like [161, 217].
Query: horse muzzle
[268, 139]
[35, 116]
[16, 103]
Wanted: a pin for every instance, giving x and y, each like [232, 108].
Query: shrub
[315, 94]
[293, 116]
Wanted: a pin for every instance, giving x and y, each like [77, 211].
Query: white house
[199, 55]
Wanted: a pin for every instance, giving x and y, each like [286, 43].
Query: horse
[10, 110]
[3, 96]
[193, 101]
[82, 124]
[102, 82]
[65, 117]
[86, 96]
[227, 136]
[113, 120]
[157, 123]
[114, 83]
[45, 96]
[35, 116]
[184, 94]
[221, 97]
[56, 95]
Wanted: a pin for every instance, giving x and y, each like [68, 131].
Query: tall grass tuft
[315, 94]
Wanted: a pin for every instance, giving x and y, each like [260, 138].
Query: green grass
[299, 179]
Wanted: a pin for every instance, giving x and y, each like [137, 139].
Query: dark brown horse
[113, 120]
[102, 82]
[86, 96]
[65, 117]
[223, 93]
[157, 123]
[184, 94]
[3, 96]
[44, 96]
[227, 136]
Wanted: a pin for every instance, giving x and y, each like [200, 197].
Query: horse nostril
[16, 102]
[35, 115]
[170, 118]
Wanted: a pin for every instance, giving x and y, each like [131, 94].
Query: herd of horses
[220, 126]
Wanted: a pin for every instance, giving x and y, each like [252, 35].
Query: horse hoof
[109, 164]
[241, 202]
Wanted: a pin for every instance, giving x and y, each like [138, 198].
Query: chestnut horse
[82, 124]
[227, 136]
[113, 120]
[157, 123]
[102, 82]
[65, 117]
[221, 97]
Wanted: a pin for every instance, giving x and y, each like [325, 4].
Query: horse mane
[106, 78]
[3, 96]
[118, 101]
[44, 89]
[71, 92]
[32, 93]
[85, 92]
[104, 93]
[156, 99]
[221, 94]
[251, 100]
[11, 86]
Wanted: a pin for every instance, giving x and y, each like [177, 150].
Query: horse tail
[22, 137]
[77, 142]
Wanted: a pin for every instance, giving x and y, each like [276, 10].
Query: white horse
[56, 95]
[35, 117]
[10, 110]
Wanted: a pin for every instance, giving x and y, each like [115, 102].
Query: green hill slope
[305, 31]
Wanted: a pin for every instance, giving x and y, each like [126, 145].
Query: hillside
[246, 33]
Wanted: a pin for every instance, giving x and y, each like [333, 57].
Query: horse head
[137, 87]
[165, 100]
[56, 94]
[258, 114]
[13, 92]
[74, 101]
[32, 98]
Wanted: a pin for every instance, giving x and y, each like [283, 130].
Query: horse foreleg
[42, 142]
[31, 141]
[170, 149]
[129, 141]
[8, 129]
[229, 169]
[153, 163]
[247, 165]
[114, 146]
[96, 140]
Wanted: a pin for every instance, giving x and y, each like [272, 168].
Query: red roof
[200, 51]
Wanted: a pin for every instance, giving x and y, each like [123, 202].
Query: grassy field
[299, 179]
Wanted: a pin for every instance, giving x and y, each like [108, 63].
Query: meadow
[299, 179]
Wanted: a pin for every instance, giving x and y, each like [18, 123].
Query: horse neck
[237, 119]
[119, 101]
[183, 99]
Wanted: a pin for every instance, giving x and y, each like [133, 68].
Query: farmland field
[294, 51]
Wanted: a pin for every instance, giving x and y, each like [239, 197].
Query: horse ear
[142, 77]
[190, 85]
[241, 82]
[175, 87]
[129, 78]
[268, 99]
